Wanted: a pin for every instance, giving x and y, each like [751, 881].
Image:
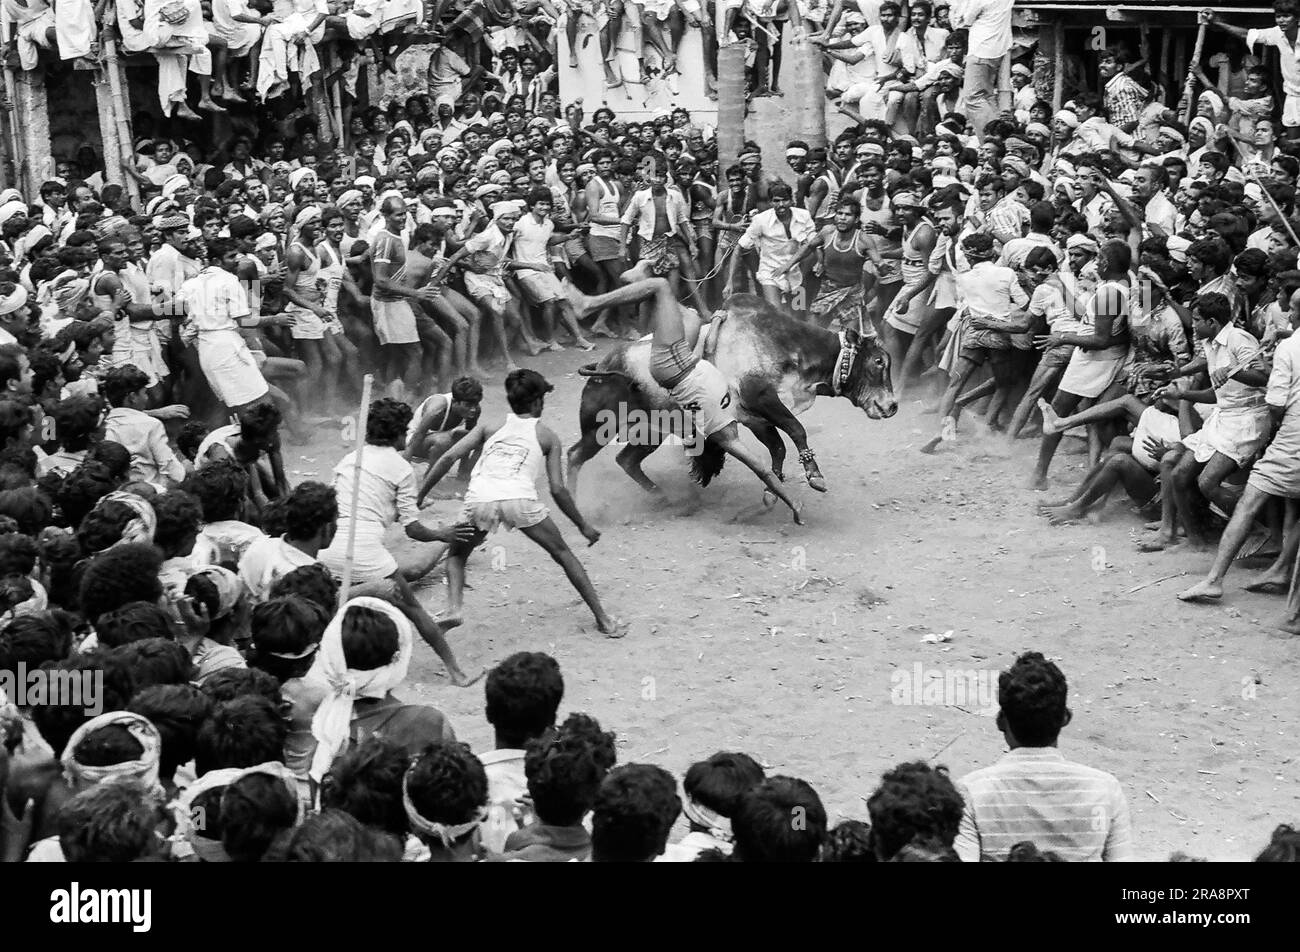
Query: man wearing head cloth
[170, 266]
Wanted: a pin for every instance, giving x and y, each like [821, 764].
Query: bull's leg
[764, 401]
[630, 458]
[770, 437]
[579, 453]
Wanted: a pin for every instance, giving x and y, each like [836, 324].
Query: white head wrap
[174, 185]
[331, 725]
[11, 209]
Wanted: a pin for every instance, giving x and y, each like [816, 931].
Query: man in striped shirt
[1033, 793]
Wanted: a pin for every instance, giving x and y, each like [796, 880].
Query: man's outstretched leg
[547, 535]
[1234, 537]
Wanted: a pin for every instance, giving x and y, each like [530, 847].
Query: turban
[749, 151]
[795, 151]
[229, 588]
[501, 145]
[145, 522]
[945, 162]
[875, 148]
[719, 826]
[38, 233]
[1082, 242]
[404, 127]
[174, 185]
[1174, 134]
[298, 176]
[1037, 128]
[12, 210]
[485, 190]
[500, 177]
[1067, 117]
[951, 69]
[156, 205]
[264, 241]
[904, 199]
[10, 195]
[271, 209]
[109, 225]
[1066, 167]
[444, 833]
[210, 850]
[445, 152]
[70, 293]
[14, 300]
[281, 169]
[1019, 166]
[144, 769]
[351, 195]
[1177, 247]
[309, 213]
[171, 222]
[1020, 69]
[910, 140]
[584, 169]
[331, 724]
[503, 208]
[1068, 186]
[1205, 125]
[364, 181]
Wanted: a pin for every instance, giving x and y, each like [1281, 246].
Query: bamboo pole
[1166, 58]
[731, 103]
[111, 144]
[1004, 84]
[121, 111]
[1058, 81]
[19, 157]
[366, 384]
[1189, 87]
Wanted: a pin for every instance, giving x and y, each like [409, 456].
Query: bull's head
[869, 384]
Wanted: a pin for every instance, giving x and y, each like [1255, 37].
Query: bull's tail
[707, 463]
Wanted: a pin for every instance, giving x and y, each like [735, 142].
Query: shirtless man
[439, 422]
[391, 300]
[675, 364]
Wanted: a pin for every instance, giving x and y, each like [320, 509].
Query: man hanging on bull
[676, 364]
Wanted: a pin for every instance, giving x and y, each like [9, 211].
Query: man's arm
[471, 441]
[559, 492]
[1210, 18]
[435, 411]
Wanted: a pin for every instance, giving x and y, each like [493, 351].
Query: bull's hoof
[817, 482]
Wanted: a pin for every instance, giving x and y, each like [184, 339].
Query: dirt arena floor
[805, 646]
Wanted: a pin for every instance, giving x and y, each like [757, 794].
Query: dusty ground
[751, 633]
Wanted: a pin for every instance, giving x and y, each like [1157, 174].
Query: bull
[776, 367]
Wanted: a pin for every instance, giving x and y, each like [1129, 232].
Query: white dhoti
[32, 39]
[230, 368]
[177, 47]
[282, 56]
[74, 25]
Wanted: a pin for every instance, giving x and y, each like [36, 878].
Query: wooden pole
[366, 384]
[731, 103]
[11, 130]
[121, 110]
[1058, 87]
[108, 134]
[1166, 58]
[1004, 84]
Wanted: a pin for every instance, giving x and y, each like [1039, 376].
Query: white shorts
[539, 286]
[510, 513]
[370, 560]
[361, 28]
[394, 322]
[308, 325]
[1237, 434]
[1158, 424]
[230, 368]
[486, 287]
[705, 395]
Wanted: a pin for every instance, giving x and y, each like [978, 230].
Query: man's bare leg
[547, 535]
[1275, 579]
[1234, 537]
[669, 322]
[729, 440]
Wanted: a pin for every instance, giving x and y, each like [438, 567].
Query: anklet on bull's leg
[811, 471]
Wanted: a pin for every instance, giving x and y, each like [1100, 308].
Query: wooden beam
[1058, 81]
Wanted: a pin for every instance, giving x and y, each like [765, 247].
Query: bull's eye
[880, 361]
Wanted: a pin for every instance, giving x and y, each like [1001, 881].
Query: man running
[503, 492]
[694, 384]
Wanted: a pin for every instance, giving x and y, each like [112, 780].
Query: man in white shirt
[1150, 206]
[1285, 35]
[214, 301]
[534, 235]
[989, 26]
[152, 458]
[886, 52]
[777, 234]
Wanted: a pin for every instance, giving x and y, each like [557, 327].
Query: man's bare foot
[185, 112]
[612, 627]
[796, 511]
[450, 619]
[207, 105]
[552, 345]
[1205, 590]
[601, 329]
[1158, 543]
[578, 301]
[230, 95]
[277, 89]
[532, 348]
[1043, 507]
[1051, 422]
[1037, 483]
[932, 445]
[1269, 585]
[461, 680]
[1064, 514]
[632, 334]
[583, 344]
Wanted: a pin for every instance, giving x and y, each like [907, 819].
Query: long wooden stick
[1267, 197]
[1190, 85]
[362, 417]
[109, 39]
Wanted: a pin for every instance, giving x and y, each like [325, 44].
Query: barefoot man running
[503, 492]
[694, 384]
